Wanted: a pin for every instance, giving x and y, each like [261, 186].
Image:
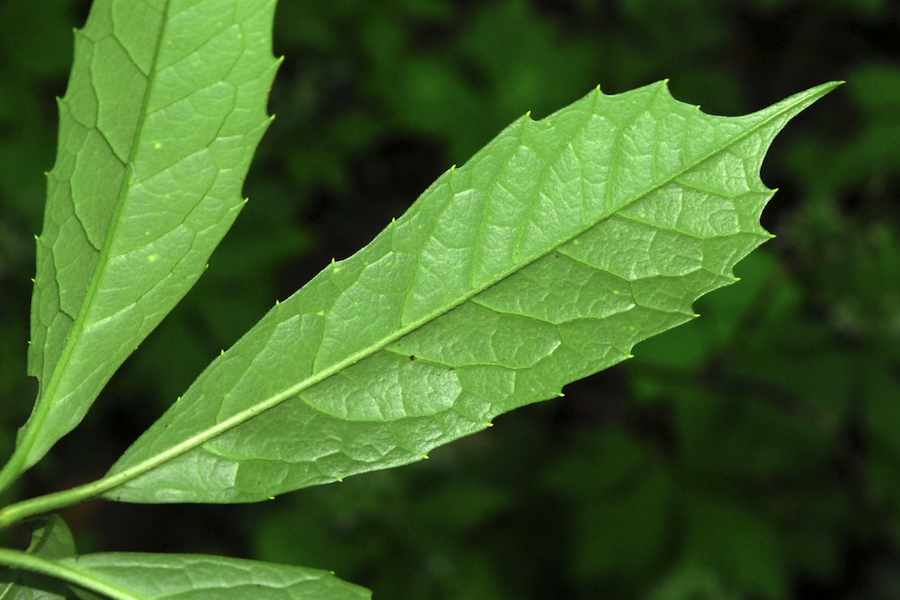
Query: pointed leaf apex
[506, 282]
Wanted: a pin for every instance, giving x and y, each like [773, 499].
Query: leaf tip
[424, 457]
[221, 353]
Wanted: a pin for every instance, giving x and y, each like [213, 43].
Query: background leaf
[558, 247]
[50, 539]
[137, 202]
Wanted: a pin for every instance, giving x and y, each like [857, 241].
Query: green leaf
[50, 539]
[137, 576]
[164, 108]
[546, 258]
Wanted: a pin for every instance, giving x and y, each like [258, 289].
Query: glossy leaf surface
[164, 108]
[547, 257]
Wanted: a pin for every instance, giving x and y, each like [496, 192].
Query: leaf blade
[50, 539]
[137, 203]
[145, 576]
[545, 258]
[200, 577]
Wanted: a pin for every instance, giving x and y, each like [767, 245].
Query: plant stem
[50, 502]
[58, 570]
[12, 469]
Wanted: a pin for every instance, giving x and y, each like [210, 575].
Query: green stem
[65, 572]
[51, 502]
[11, 470]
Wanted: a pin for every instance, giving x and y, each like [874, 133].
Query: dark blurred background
[753, 454]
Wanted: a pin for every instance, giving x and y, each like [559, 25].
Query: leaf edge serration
[144, 464]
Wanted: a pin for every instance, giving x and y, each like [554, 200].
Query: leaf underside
[50, 539]
[198, 577]
[143, 576]
[546, 258]
[164, 108]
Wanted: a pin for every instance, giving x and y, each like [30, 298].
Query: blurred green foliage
[753, 454]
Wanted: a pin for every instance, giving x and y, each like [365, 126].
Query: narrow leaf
[136, 576]
[164, 108]
[547, 257]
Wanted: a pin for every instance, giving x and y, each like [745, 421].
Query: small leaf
[165, 106]
[547, 257]
[50, 538]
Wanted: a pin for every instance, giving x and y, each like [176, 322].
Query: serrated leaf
[141, 576]
[546, 258]
[164, 108]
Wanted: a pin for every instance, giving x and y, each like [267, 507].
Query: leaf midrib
[65, 572]
[120, 478]
[78, 327]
